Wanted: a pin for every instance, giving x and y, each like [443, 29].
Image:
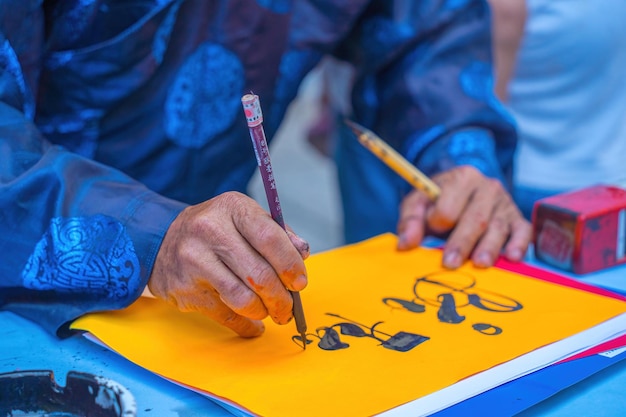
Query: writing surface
[384, 350]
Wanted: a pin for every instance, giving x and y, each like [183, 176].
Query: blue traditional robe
[114, 115]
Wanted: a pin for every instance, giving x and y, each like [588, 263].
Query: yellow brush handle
[401, 166]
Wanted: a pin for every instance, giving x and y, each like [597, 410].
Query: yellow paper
[273, 376]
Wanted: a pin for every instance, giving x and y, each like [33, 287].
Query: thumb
[300, 244]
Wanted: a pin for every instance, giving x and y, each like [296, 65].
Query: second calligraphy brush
[395, 161]
[254, 116]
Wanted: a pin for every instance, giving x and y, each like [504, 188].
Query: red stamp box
[582, 231]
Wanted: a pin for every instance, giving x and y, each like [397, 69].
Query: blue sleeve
[424, 83]
[75, 236]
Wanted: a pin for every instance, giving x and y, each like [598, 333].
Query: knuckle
[232, 198]
[443, 217]
[186, 252]
[469, 172]
[411, 216]
[414, 199]
[232, 203]
[480, 221]
[500, 225]
[266, 232]
[495, 186]
[263, 274]
[229, 319]
[205, 225]
[243, 302]
[183, 304]
[522, 227]
[183, 308]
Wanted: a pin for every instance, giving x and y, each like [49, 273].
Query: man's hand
[227, 258]
[477, 211]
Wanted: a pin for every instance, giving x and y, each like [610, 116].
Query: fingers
[188, 273]
[300, 244]
[479, 221]
[276, 248]
[412, 220]
[457, 186]
[482, 217]
[240, 296]
[213, 307]
[521, 236]
[261, 255]
[506, 229]
[228, 258]
[260, 280]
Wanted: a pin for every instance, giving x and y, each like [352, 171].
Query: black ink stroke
[488, 329]
[330, 336]
[447, 310]
[450, 291]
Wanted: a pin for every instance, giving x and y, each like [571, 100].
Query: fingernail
[516, 254]
[301, 245]
[402, 239]
[452, 259]
[483, 259]
[300, 282]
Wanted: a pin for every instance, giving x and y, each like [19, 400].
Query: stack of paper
[391, 332]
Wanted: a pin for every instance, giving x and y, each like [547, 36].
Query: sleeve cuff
[474, 147]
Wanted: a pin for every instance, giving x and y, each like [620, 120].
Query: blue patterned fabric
[114, 115]
[278, 6]
[204, 98]
[93, 255]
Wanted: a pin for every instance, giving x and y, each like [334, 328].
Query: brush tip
[356, 129]
[303, 336]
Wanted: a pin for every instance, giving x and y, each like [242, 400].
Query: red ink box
[581, 231]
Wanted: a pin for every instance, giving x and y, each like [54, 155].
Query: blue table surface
[25, 346]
